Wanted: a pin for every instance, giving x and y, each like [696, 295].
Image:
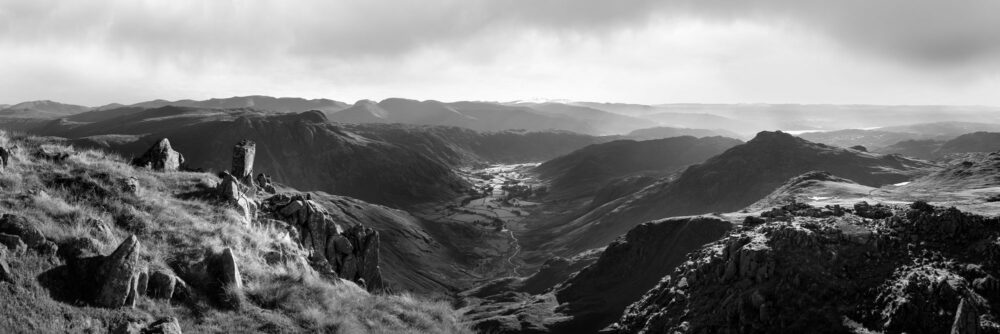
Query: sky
[637, 51]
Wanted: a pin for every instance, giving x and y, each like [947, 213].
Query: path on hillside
[517, 249]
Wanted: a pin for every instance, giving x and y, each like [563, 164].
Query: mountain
[727, 182]
[480, 116]
[308, 152]
[920, 149]
[661, 132]
[703, 121]
[871, 139]
[937, 149]
[584, 171]
[277, 104]
[41, 109]
[825, 272]
[609, 122]
[302, 150]
[882, 138]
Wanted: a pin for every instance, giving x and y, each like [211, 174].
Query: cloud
[924, 31]
[440, 48]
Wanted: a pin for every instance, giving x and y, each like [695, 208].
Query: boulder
[4, 157]
[143, 284]
[163, 326]
[13, 243]
[236, 193]
[6, 274]
[161, 285]
[19, 226]
[100, 230]
[264, 184]
[119, 276]
[160, 157]
[131, 185]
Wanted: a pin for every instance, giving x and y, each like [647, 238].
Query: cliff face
[918, 270]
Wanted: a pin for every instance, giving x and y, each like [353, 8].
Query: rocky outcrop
[351, 252]
[877, 211]
[243, 155]
[264, 184]
[161, 284]
[160, 157]
[920, 270]
[119, 276]
[24, 230]
[240, 195]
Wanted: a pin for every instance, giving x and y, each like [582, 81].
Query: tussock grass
[64, 199]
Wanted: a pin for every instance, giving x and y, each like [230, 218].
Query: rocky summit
[916, 269]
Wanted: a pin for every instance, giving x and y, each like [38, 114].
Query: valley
[528, 231]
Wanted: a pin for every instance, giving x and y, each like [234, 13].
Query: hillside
[40, 109]
[93, 244]
[727, 182]
[582, 172]
[596, 295]
[301, 150]
[818, 271]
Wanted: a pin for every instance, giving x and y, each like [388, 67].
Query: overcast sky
[657, 51]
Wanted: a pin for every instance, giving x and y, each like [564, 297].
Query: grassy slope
[62, 197]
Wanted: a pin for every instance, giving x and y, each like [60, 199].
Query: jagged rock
[161, 285]
[119, 276]
[236, 193]
[264, 183]
[350, 253]
[966, 319]
[131, 185]
[811, 274]
[13, 243]
[243, 155]
[225, 282]
[163, 326]
[160, 157]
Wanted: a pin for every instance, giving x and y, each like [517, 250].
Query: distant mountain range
[731, 120]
